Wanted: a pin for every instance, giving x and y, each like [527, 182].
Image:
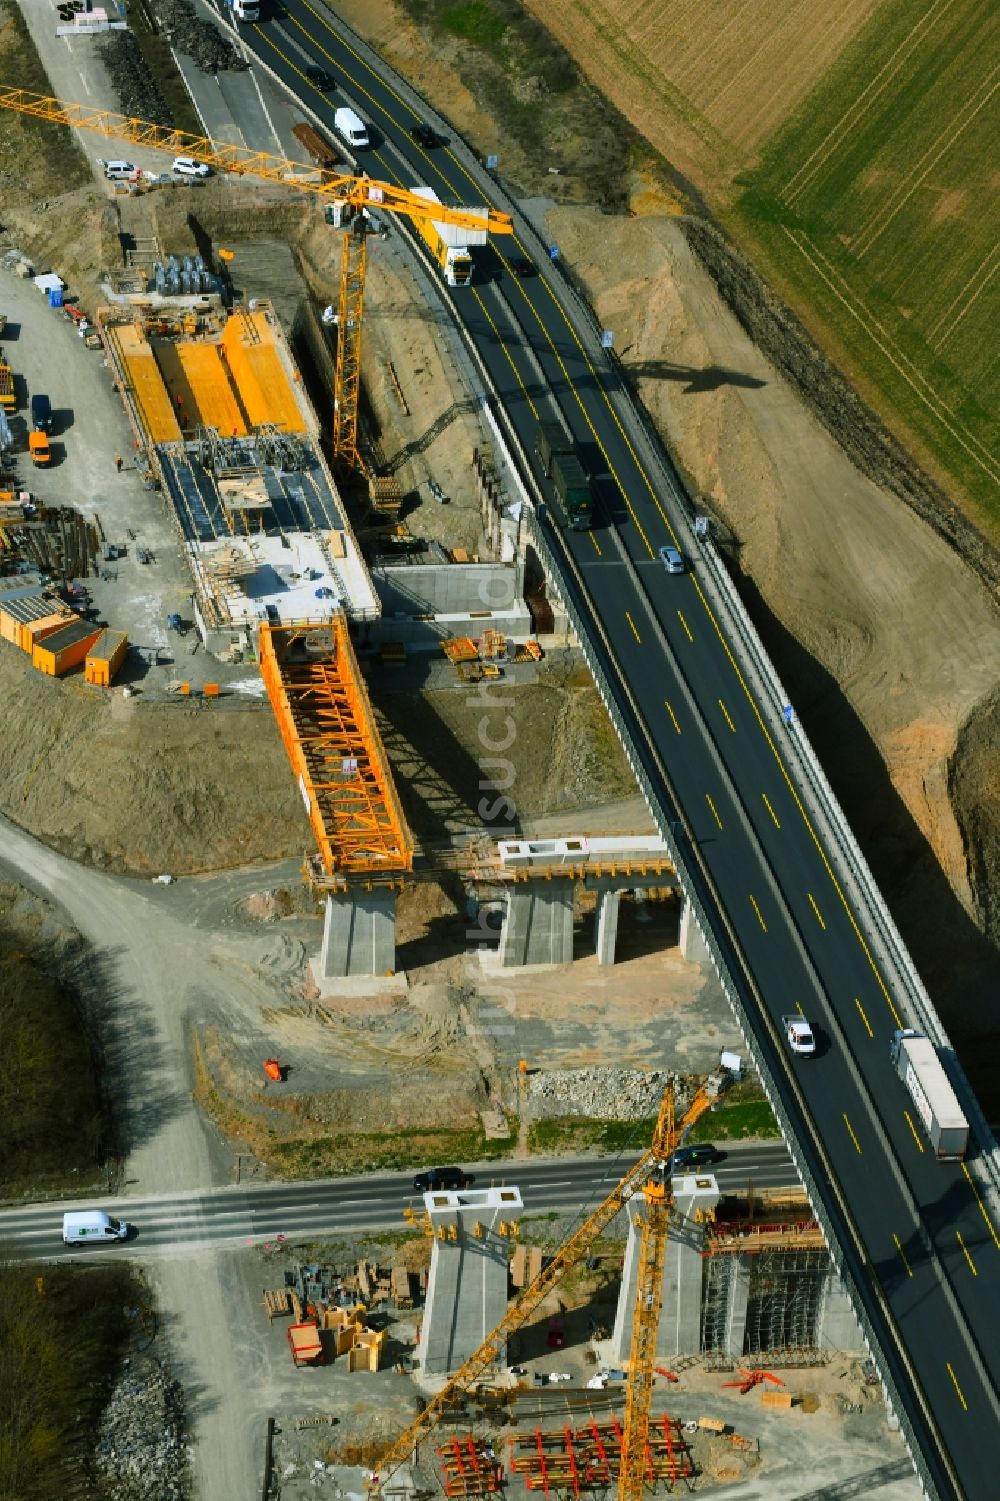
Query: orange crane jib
[357, 191]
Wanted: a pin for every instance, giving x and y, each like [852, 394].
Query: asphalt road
[919, 1239]
[188, 1224]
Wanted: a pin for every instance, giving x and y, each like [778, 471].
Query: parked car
[671, 559]
[437, 1178]
[186, 166]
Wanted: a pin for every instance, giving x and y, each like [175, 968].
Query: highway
[207, 1220]
[918, 1238]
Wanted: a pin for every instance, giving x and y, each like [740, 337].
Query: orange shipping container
[34, 631]
[62, 649]
[105, 657]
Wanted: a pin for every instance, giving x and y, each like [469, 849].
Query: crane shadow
[705, 378]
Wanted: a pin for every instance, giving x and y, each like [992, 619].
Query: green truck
[561, 464]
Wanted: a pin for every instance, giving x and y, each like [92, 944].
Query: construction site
[241, 537]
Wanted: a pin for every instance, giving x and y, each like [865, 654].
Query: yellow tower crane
[358, 192]
[645, 1189]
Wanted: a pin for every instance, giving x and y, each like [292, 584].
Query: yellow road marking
[916, 1136]
[954, 1378]
[728, 720]
[597, 545]
[715, 813]
[501, 345]
[982, 1207]
[798, 1007]
[753, 903]
[819, 915]
[673, 716]
[861, 1013]
[899, 1248]
[767, 805]
[797, 800]
[850, 1128]
[631, 622]
[965, 1252]
[684, 623]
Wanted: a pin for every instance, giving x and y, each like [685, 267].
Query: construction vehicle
[8, 400]
[561, 464]
[915, 1059]
[648, 1183]
[451, 247]
[356, 192]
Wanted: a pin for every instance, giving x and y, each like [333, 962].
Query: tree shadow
[699, 379]
[958, 964]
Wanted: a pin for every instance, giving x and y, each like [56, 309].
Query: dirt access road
[164, 973]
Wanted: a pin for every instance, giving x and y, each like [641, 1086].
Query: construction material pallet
[568, 1459]
[470, 1467]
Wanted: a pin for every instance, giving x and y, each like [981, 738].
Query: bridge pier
[606, 925]
[693, 945]
[359, 935]
[467, 1282]
[538, 924]
[683, 1271]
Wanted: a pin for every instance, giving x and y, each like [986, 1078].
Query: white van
[81, 1226]
[351, 128]
[116, 171]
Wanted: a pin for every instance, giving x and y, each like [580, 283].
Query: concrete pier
[680, 1313]
[538, 925]
[359, 935]
[692, 944]
[467, 1283]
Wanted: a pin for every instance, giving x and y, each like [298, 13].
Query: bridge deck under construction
[325, 717]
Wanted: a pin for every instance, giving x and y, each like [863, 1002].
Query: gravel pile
[141, 1454]
[606, 1094]
[132, 81]
[197, 38]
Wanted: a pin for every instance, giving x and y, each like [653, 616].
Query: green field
[877, 201]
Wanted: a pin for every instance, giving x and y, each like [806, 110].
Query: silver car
[671, 559]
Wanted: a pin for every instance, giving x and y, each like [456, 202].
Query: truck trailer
[450, 247]
[8, 399]
[560, 463]
[916, 1061]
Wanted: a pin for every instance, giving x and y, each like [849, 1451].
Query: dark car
[41, 414]
[425, 136]
[437, 1178]
[696, 1156]
[319, 78]
[521, 267]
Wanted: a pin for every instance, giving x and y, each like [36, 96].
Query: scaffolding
[717, 1305]
[784, 1301]
[326, 722]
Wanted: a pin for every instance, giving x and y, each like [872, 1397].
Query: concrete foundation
[359, 935]
[467, 1282]
[838, 1327]
[692, 945]
[680, 1314]
[538, 924]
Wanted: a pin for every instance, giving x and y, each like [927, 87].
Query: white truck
[82, 1226]
[245, 10]
[799, 1036]
[450, 247]
[351, 128]
[915, 1060]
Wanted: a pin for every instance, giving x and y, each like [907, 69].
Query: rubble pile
[605, 1094]
[131, 79]
[141, 1453]
[210, 48]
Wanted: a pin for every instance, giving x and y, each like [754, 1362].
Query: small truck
[799, 1036]
[916, 1061]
